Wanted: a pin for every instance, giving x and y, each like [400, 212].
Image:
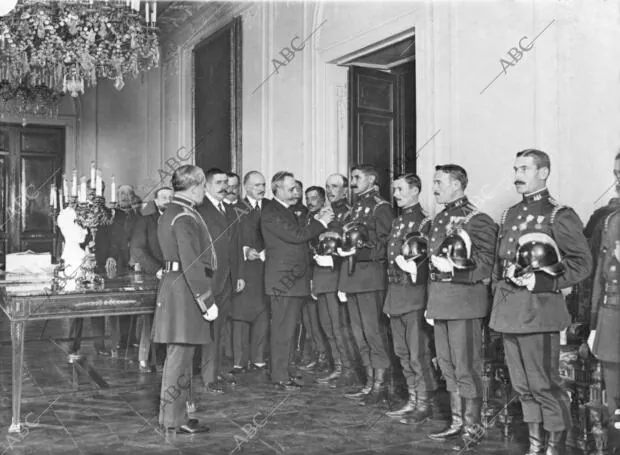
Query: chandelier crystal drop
[51, 48]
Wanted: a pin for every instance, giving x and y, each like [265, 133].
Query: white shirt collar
[254, 202]
[282, 202]
[214, 201]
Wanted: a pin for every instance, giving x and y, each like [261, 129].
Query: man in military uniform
[406, 299]
[541, 253]
[461, 251]
[364, 289]
[185, 301]
[604, 339]
[325, 286]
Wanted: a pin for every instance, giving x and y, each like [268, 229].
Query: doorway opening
[382, 109]
[31, 161]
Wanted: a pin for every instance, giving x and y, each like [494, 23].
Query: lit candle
[53, 196]
[113, 190]
[60, 203]
[83, 189]
[74, 181]
[98, 184]
[146, 13]
[92, 174]
[65, 188]
[154, 14]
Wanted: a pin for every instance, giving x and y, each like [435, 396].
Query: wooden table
[34, 301]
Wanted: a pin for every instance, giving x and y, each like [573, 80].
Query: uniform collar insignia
[369, 193]
[411, 209]
[536, 196]
[458, 203]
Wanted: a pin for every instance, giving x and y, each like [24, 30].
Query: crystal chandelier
[51, 48]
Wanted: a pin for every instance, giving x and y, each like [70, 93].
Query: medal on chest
[454, 224]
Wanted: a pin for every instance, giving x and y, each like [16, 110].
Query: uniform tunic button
[514, 228]
[525, 209]
[440, 221]
[158, 303]
[508, 252]
[432, 239]
[436, 229]
[519, 217]
[511, 239]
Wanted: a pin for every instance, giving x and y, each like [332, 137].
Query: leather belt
[441, 276]
[172, 266]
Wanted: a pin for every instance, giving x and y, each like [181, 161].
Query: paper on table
[262, 255]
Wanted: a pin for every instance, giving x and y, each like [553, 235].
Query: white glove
[324, 261]
[528, 280]
[314, 297]
[442, 264]
[342, 296]
[591, 339]
[430, 321]
[343, 254]
[407, 266]
[211, 314]
[159, 274]
[617, 424]
[261, 255]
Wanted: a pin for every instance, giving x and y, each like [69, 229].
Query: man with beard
[250, 313]
[541, 254]
[287, 279]
[405, 302]
[315, 199]
[364, 288]
[332, 313]
[185, 301]
[118, 262]
[461, 252]
[146, 251]
[229, 275]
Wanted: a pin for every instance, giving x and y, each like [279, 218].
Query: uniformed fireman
[405, 301]
[541, 253]
[325, 285]
[362, 278]
[185, 302]
[461, 251]
[604, 339]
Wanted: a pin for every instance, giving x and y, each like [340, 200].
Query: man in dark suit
[145, 250]
[229, 276]
[287, 278]
[185, 300]
[118, 262]
[250, 311]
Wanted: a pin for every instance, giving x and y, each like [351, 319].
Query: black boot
[364, 390]
[537, 439]
[423, 410]
[335, 374]
[378, 391]
[408, 407]
[555, 443]
[473, 431]
[312, 364]
[456, 426]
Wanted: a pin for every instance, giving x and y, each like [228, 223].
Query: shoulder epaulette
[185, 212]
[609, 217]
[379, 200]
[557, 207]
[471, 215]
[505, 214]
[423, 223]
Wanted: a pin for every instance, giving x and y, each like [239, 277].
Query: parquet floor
[123, 418]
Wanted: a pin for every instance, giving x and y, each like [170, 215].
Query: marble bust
[73, 255]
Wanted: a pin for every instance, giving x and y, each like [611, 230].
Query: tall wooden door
[31, 160]
[382, 121]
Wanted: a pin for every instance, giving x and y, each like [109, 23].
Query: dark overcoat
[184, 238]
[250, 302]
[287, 253]
[145, 248]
